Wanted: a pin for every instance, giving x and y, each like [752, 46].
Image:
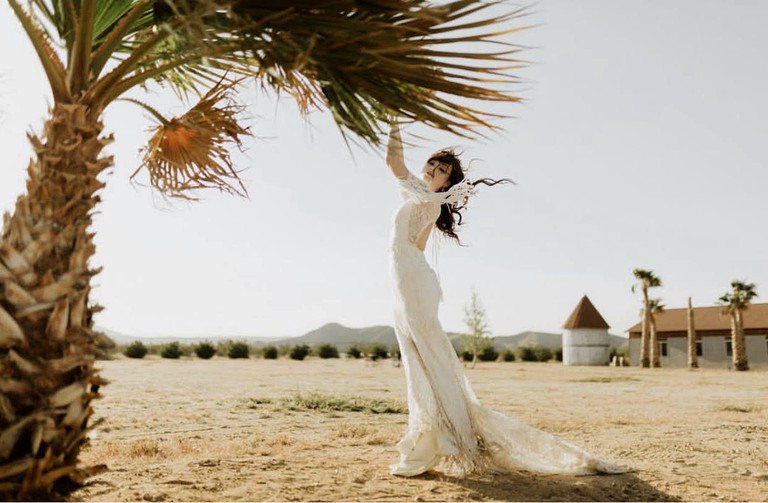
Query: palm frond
[191, 152]
[366, 61]
[52, 65]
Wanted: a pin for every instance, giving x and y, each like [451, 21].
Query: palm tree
[654, 307]
[362, 61]
[693, 362]
[735, 303]
[647, 280]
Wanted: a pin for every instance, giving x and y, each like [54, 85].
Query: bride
[446, 424]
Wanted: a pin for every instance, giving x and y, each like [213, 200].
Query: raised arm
[395, 159]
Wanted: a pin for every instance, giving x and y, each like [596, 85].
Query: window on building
[700, 347]
[663, 348]
[728, 348]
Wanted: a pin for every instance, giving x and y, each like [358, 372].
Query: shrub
[559, 354]
[238, 350]
[136, 349]
[527, 354]
[325, 351]
[205, 350]
[171, 351]
[488, 354]
[299, 352]
[269, 352]
[542, 353]
[508, 356]
[466, 356]
[376, 351]
[354, 352]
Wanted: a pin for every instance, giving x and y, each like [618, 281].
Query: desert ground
[326, 430]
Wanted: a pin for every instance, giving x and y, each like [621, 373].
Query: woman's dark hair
[450, 214]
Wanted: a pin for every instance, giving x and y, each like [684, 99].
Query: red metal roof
[707, 318]
[585, 315]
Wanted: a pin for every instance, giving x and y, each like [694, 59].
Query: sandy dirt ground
[233, 430]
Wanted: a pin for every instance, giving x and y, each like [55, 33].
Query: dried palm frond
[191, 152]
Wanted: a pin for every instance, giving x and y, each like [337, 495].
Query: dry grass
[738, 408]
[606, 379]
[187, 430]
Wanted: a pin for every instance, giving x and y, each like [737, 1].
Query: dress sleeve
[415, 189]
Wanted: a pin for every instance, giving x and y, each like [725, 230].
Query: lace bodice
[421, 207]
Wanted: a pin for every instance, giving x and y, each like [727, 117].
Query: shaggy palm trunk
[47, 345]
[737, 341]
[693, 361]
[655, 357]
[645, 361]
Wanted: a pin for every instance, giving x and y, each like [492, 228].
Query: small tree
[488, 354]
[299, 352]
[476, 341]
[508, 355]
[527, 354]
[354, 352]
[377, 351]
[171, 351]
[205, 350]
[269, 352]
[543, 354]
[136, 349]
[326, 351]
[239, 350]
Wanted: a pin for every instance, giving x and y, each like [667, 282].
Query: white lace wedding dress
[446, 423]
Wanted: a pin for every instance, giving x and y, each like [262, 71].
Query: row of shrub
[235, 349]
[525, 353]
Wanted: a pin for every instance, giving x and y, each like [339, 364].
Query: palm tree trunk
[693, 361]
[737, 342]
[645, 361]
[655, 360]
[47, 341]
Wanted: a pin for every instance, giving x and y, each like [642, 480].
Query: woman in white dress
[446, 423]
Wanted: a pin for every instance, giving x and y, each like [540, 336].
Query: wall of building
[757, 350]
[634, 352]
[677, 352]
[713, 349]
[586, 346]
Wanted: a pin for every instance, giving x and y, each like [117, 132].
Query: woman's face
[436, 174]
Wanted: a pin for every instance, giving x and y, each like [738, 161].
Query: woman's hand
[395, 159]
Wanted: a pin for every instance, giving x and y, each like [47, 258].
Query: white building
[713, 337]
[585, 339]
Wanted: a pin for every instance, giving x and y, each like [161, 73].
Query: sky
[641, 143]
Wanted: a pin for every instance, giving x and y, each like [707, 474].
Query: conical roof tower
[585, 315]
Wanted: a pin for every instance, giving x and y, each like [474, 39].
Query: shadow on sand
[525, 486]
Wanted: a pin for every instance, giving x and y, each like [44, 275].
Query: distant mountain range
[343, 337]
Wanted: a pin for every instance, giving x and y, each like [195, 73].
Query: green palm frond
[445, 65]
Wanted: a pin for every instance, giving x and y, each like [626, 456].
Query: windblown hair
[450, 214]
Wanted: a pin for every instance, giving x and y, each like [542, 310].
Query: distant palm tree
[364, 61]
[647, 280]
[654, 307]
[735, 303]
[693, 361]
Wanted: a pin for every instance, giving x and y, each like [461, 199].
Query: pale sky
[642, 142]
